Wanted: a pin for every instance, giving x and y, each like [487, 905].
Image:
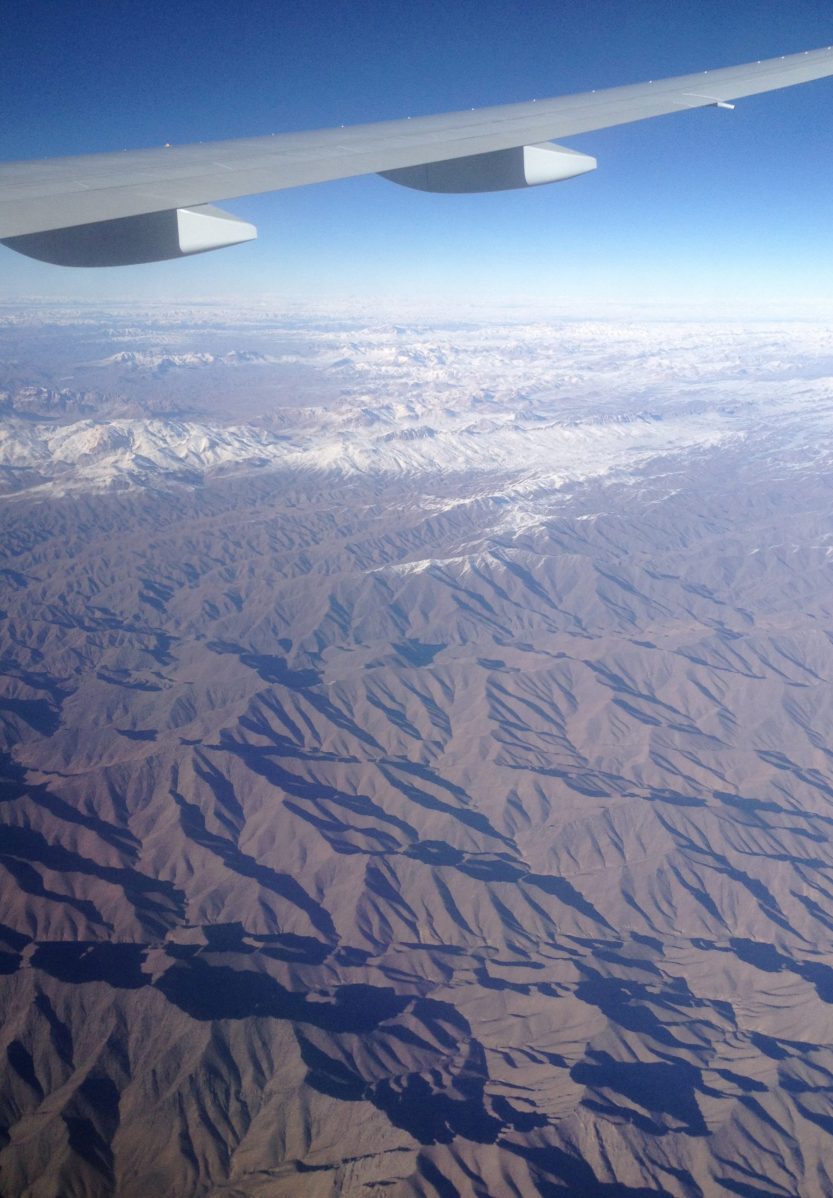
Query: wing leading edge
[56, 196]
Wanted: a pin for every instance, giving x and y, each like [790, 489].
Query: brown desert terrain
[417, 760]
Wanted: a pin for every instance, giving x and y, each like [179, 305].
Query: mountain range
[416, 758]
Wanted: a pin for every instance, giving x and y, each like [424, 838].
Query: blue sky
[706, 212]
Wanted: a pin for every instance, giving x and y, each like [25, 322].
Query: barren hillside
[417, 760]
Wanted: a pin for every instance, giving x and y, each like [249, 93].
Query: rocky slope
[430, 792]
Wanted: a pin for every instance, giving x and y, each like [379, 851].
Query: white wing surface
[144, 205]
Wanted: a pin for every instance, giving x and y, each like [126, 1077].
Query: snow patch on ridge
[529, 408]
[89, 455]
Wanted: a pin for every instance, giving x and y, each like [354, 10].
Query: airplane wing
[147, 205]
